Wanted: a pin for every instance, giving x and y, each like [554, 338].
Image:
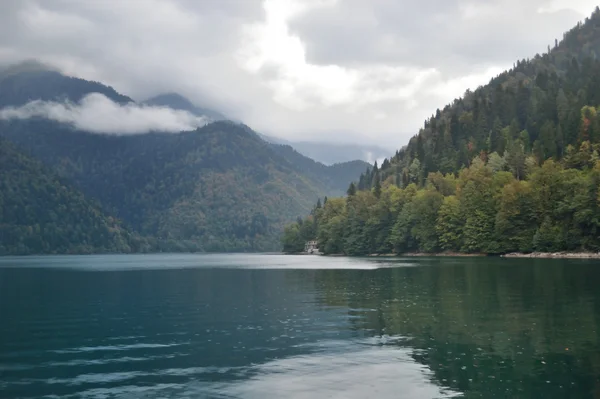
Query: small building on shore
[312, 247]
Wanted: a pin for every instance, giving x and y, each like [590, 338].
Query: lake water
[270, 326]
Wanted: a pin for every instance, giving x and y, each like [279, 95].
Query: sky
[334, 70]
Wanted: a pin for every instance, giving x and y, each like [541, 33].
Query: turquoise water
[262, 326]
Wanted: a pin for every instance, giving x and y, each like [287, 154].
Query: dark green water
[267, 326]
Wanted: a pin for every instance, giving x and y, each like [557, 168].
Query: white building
[312, 247]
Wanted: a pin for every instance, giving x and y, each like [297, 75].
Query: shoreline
[521, 255]
[554, 255]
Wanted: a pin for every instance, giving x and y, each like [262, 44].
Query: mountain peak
[26, 66]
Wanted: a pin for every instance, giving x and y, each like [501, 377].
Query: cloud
[339, 70]
[98, 114]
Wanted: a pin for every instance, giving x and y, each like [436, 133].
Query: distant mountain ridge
[332, 153]
[324, 152]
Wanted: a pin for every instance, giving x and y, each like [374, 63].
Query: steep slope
[39, 213]
[534, 108]
[178, 102]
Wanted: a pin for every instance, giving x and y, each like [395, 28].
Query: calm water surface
[270, 326]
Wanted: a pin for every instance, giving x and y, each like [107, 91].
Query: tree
[496, 162]
[515, 159]
[377, 187]
[548, 237]
[414, 171]
[450, 224]
[515, 220]
[351, 190]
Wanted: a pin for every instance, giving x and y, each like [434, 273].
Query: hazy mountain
[331, 153]
[177, 101]
[326, 153]
[28, 81]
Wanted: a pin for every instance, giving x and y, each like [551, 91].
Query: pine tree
[351, 190]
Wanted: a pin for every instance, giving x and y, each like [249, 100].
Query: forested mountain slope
[218, 188]
[512, 166]
[40, 213]
[538, 108]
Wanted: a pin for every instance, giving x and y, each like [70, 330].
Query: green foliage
[481, 211]
[548, 237]
[40, 213]
[449, 225]
[219, 188]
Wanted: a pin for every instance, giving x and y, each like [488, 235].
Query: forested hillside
[538, 108]
[40, 213]
[511, 166]
[218, 188]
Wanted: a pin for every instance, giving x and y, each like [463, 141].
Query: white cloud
[98, 114]
[582, 6]
[297, 69]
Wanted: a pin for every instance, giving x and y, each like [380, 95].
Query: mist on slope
[98, 114]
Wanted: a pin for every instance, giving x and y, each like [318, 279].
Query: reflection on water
[236, 326]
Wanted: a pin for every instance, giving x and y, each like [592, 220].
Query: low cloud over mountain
[98, 114]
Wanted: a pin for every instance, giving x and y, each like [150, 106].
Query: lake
[272, 326]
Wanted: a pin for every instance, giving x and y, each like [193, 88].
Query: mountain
[323, 152]
[41, 213]
[336, 176]
[513, 166]
[332, 153]
[218, 188]
[28, 81]
[178, 102]
[536, 106]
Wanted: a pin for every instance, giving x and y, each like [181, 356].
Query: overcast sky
[346, 70]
